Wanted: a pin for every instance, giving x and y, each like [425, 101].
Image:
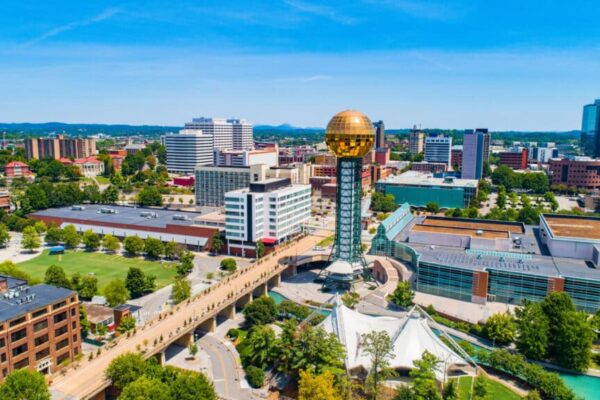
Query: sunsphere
[350, 133]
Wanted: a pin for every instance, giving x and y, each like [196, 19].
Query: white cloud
[322, 11]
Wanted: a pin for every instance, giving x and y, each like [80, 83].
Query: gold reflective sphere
[350, 134]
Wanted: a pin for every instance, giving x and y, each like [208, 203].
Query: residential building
[590, 129]
[582, 172]
[544, 154]
[476, 151]
[297, 154]
[243, 158]
[59, 146]
[418, 189]
[5, 201]
[132, 148]
[456, 157]
[271, 210]
[16, 169]
[187, 150]
[382, 156]
[516, 158]
[89, 166]
[39, 326]
[438, 149]
[416, 141]
[227, 134]
[379, 134]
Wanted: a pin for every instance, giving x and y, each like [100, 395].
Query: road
[88, 377]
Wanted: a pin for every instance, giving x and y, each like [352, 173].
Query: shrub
[255, 376]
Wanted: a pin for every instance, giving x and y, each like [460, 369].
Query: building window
[39, 313]
[61, 331]
[60, 317]
[19, 349]
[21, 364]
[63, 343]
[41, 340]
[42, 353]
[17, 321]
[18, 335]
[73, 310]
[59, 305]
[2, 343]
[38, 326]
[2, 357]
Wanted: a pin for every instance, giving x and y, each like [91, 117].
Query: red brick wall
[480, 284]
[556, 285]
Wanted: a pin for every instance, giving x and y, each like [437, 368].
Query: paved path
[88, 376]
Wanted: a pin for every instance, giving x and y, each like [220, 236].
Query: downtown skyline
[439, 64]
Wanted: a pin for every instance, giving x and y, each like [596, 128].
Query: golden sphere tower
[350, 136]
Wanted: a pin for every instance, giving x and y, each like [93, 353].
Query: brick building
[583, 172]
[514, 159]
[39, 326]
[16, 169]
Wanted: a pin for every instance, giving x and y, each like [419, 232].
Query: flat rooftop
[462, 231]
[573, 227]
[417, 178]
[28, 298]
[483, 225]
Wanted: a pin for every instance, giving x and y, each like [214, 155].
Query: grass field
[105, 267]
[496, 390]
[102, 180]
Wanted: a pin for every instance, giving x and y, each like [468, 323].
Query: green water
[279, 298]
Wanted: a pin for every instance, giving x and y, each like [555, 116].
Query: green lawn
[328, 241]
[102, 180]
[105, 267]
[496, 390]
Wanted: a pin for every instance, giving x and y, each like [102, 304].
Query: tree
[317, 350]
[70, 236]
[260, 249]
[91, 240]
[31, 239]
[501, 328]
[10, 269]
[424, 385]
[149, 196]
[228, 264]
[110, 195]
[193, 349]
[378, 346]
[133, 245]
[110, 243]
[261, 311]
[4, 235]
[403, 294]
[573, 345]
[145, 388]
[186, 264]
[556, 305]
[451, 390]
[501, 198]
[88, 287]
[261, 345]
[480, 389]
[24, 384]
[182, 290]
[217, 243]
[153, 247]
[532, 330]
[320, 387]
[255, 376]
[83, 321]
[56, 276]
[350, 299]
[432, 207]
[192, 386]
[381, 202]
[53, 236]
[116, 293]
[170, 250]
[127, 324]
[533, 395]
[136, 282]
[125, 369]
[529, 215]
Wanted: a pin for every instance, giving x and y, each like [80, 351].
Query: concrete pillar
[185, 340]
[228, 312]
[242, 301]
[161, 357]
[261, 290]
[99, 396]
[209, 325]
[275, 281]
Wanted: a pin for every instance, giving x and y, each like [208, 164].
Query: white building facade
[271, 211]
[438, 149]
[228, 134]
[187, 150]
[244, 158]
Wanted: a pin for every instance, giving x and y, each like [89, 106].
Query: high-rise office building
[476, 150]
[187, 150]
[439, 149]
[590, 130]
[228, 134]
[416, 141]
[379, 134]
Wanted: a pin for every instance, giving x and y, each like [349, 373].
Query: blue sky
[509, 64]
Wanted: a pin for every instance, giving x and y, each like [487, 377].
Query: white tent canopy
[411, 337]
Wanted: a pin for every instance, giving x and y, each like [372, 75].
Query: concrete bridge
[86, 379]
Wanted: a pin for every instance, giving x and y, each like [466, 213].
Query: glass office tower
[590, 129]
